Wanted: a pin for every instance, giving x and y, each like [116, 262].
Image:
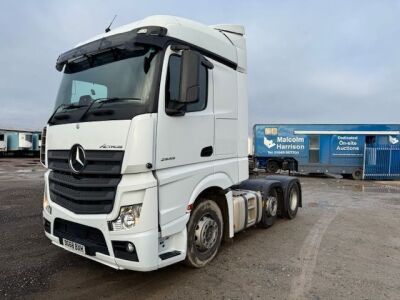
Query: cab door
[184, 143]
[189, 138]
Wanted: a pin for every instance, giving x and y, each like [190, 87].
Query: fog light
[128, 217]
[130, 248]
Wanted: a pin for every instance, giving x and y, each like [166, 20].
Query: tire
[357, 174]
[293, 201]
[270, 209]
[204, 236]
[272, 166]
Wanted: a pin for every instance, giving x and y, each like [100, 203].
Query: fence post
[390, 160]
[365, 157]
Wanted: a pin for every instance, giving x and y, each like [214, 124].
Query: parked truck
[147, 147]
[322, 148]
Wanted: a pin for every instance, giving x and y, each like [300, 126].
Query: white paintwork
[140, 144]
[90, 135]
[172, 145]
[361, 132]
[183, 29]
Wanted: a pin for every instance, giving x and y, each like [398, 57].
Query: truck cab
[147, 147]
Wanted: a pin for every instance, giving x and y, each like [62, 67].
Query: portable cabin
[326, 148]
[36, 141]
[3, 141]
[19, 141]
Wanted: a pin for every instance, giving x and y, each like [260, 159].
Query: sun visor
[144, 35]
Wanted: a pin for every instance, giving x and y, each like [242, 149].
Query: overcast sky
[308, 61]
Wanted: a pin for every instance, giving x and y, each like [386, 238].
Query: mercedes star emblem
[77, 159]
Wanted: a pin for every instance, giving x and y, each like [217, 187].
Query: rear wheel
[357, 174]
[270, 209]
[293, 201]
[272, 166]
[205, 229]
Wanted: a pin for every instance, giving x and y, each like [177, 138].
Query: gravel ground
[344, 244]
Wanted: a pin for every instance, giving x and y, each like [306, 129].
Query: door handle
[207, 151]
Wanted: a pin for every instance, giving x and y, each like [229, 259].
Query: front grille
[93, 190]
[91, 238]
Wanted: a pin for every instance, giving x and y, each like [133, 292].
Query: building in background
[15, 142]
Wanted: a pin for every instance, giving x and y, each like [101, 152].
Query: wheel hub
[206, 233]
[293, 200]
[272, 206]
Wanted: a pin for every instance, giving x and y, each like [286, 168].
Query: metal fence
[382, 162]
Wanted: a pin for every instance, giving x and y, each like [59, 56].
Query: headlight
[46, 204]
[128, 217]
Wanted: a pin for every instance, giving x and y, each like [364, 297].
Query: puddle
[24, 171]
[381, 189]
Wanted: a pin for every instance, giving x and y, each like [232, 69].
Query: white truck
[147, 147]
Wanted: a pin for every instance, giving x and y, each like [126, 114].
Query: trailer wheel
[270, 209]
[357, 174]
[293, 201]
[205, 229]
[272, 166]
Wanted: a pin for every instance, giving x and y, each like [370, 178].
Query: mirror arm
[208, 64]
[204, 61]
[175, 112]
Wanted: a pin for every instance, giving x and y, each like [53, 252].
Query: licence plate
[75, 247]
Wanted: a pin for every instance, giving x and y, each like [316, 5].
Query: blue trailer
[328, 148]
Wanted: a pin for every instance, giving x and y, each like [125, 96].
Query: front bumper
[144, 243]
[89, 228]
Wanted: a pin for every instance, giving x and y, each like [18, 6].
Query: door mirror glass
[189, 90]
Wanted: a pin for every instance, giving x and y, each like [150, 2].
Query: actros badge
[77, 159]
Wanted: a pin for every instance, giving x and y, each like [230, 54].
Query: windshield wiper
[105, 100]
[64, 107]
[116, 99]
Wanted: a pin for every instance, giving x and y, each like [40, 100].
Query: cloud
[344, 83]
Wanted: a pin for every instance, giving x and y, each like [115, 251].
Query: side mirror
[190, 77]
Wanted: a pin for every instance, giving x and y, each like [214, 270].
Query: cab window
[172, 86]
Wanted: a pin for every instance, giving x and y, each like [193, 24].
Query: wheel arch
[216, 187]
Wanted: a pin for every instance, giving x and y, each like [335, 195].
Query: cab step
[170, 254]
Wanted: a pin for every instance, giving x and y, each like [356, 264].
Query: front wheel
[205, 229]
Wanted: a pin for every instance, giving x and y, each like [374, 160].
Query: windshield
[127, 75]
